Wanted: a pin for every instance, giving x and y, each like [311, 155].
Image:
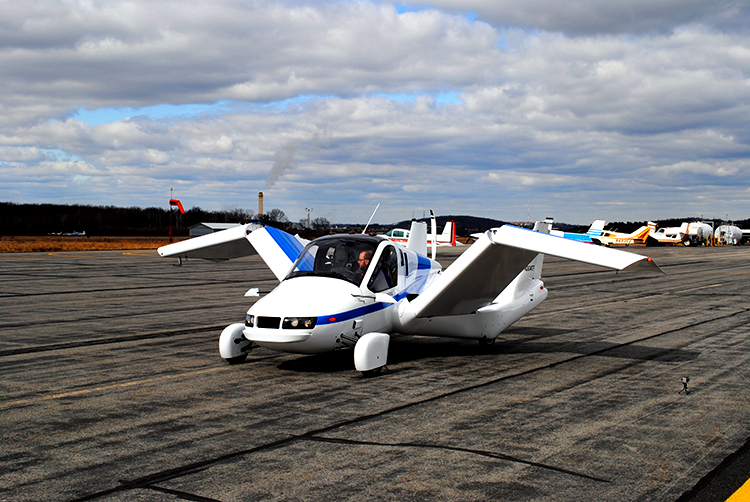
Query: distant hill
[465, 225]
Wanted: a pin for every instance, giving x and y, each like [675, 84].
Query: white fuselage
[343, 311]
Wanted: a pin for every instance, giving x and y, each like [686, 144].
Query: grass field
[30, 244]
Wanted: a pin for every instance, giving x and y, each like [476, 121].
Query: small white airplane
[667, 235]
[687, 234]
[343, 291]
[446, 238]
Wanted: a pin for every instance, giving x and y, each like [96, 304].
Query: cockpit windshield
[344, 257]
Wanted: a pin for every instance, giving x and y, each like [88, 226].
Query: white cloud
[716, 169]
[21, 154]
[573, 106]
[591, 17]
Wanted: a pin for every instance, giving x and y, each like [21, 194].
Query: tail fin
[641, 233]
[418, 237]
[449, 233]
[595, 230]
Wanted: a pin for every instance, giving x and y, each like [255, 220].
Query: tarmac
[112, 389]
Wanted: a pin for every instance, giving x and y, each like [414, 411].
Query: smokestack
[260, 204]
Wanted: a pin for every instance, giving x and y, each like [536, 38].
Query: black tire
[373, 372]
[236, 359]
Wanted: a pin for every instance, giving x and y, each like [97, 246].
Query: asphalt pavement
[112, 389]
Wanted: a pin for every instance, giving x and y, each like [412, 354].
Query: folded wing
[277, 248]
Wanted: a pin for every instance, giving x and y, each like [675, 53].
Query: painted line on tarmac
[702, 287]
[741, 495]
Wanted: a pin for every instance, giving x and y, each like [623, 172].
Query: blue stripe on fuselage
[424, 265]
[423, 262]
[576, 237]
[352, 314]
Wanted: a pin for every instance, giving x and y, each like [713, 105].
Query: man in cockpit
[363, 262]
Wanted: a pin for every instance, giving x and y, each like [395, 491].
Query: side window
[385, 275]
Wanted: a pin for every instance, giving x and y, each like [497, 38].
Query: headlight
[249, 320]
[298, 323]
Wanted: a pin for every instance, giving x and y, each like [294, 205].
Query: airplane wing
[277, 248]
[224, 245]
[494, 261]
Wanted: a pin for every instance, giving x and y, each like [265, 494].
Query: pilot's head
[364, 259]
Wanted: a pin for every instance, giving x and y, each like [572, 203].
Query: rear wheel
[373, 372]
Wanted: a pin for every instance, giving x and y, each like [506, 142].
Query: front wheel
[236, 359]
[371, 373]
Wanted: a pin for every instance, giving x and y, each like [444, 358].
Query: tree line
[43, 219]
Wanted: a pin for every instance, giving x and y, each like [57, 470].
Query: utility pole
[171, 197]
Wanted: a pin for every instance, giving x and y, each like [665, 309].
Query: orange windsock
[175, 202]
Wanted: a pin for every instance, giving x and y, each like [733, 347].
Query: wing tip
[646, 264]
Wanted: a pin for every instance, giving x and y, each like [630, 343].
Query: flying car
[355, 291]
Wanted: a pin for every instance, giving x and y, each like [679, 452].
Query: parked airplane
[446, 238]
[687, 234]
[355, 290]
[666, 235]
[612, 238]
[595, 230]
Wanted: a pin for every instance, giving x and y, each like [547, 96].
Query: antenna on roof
[371, 217]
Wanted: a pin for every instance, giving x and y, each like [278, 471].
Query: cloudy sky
[583, 109]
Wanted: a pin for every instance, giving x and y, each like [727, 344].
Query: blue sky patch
[155, 112]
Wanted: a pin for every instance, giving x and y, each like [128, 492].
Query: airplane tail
[641, 233]
[418, 237]
[595, 230]
[449, 234]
